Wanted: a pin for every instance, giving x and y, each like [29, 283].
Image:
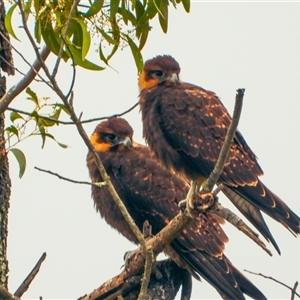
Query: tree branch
[158, 243]
[26, 283]
[237, 222]
[72, 123]
[6, 295]
[293, 290]
[209, 184]
[99, 184]
[24, 82]
[76, 120]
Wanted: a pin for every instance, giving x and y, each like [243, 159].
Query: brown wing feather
[190, 124]
[152, 193]
[198, 130]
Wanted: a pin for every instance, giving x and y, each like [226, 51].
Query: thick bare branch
[158, 243]
[6, 295]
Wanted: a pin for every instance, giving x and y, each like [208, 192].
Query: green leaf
[26, 9]
[19, 155]
[56, 114]
[14, 116]
[45, 123]
[116, 36]
[106, 36]
[35, 115]
[102, 56]
[42, 132]
[186, 4]
[163, 16]
[114, 5]
[13, 129]
[151, 9]
[139, 11]
[138, 59]
[62, 145]
[52, 38]
[123, 11]
[94, 8]
[144, 36]
[86, 64]
[86, 38]
[37, 6]
[38, 31]
[33, 97]
[44, 135]
[61, 106]
[8, 20]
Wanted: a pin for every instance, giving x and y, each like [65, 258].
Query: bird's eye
[158, 73]
[111, 137]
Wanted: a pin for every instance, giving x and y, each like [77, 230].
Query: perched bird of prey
[185, 127]
[151, 192]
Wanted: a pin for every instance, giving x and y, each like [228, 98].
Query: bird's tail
[263, 199]
[246, 286]
[252, 213]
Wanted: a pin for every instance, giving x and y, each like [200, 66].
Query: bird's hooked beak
[125, 142]
[173, 78]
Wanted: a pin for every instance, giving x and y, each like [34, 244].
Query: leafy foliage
[114, 24]
[117, 23]
[41, 120]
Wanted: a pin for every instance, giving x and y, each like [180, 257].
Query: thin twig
[25, 60]
[27, 281]
[70, 180]
[215, 174]
[62, 44]
[13, 92]
[17, 70]
[71, 122]
[149, 260]
[293, 290]
[74, 71]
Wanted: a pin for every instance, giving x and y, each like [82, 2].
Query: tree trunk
[6, 64]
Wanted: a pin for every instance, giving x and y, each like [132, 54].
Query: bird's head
[162, 69]
[111, 135]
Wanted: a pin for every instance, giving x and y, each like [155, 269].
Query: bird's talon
[182, 204]
[128, 256]
[203, 201]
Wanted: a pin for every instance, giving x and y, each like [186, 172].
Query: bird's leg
[187, 203]
[183, 203]
[197, 202]
[129, 255]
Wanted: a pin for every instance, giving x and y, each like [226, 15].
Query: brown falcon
[151, 192]
[185, 126]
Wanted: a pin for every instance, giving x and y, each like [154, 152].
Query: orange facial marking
[144, 82]
[100, 147]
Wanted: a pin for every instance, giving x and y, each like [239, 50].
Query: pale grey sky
[220, 47]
